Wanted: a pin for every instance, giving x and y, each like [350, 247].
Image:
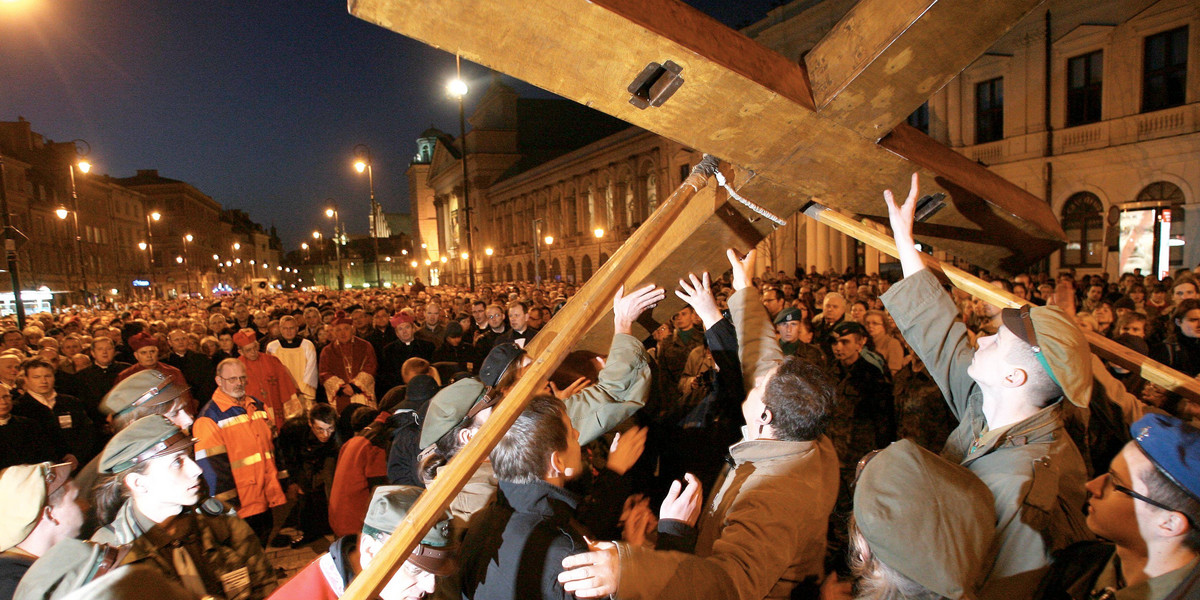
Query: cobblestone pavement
[292, 561]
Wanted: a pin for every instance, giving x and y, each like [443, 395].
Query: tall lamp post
[187, 239]
[151, 218]
[491, 265]
[537, 233]
[82, 148]
[338, 233]
[324, 259]
[363, 152]
[458, 88]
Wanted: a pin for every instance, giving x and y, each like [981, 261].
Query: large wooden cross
[829, 129]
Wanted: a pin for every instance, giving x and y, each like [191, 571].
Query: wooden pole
[1150, 370]
[563, 331]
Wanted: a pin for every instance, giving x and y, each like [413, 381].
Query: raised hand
[698, 294]
[626, 449]
[743, 268]
[901, 219]
[570, 390]
[683, 504]
[626, 309]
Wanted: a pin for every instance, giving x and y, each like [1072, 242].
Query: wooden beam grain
[887, 57]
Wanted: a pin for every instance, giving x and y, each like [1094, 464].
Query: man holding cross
[1007, 396]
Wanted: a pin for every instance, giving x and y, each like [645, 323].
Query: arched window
[1169, 197]
[1083, 222]
[586, 266]
[570, 274]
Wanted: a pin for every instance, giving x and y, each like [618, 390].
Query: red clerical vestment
[268, 381]
[350, 363]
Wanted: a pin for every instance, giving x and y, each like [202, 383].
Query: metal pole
[337, 247]
[462, 136]
[375, 214]
[78, 243]
[10, 250]
[537, 277]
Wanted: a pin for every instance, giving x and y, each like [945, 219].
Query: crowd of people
[802, 435]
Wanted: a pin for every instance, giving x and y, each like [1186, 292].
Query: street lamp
[333, 213]
[363, 152]
[82, 148]
[489, 252]
[549, 263]
[457, 88]
[151, 218]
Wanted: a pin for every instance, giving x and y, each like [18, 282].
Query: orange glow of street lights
[84, 166]
[141, 245]
[62, 212]
[489, 251]
[599, 233]
[359, 166]
[157, 216]
[549, 240]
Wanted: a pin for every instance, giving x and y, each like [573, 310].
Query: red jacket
[361, 466]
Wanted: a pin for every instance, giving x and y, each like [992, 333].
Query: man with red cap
[145, 350]
[406, 346]
[348, 366]
[267, 380]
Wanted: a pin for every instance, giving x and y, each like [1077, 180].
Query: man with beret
[406, 346]
[267, 380]
[42, 508]
[792, 329]
[145, 352]
[348, 366]
[1147, 507]
[929, 521]
[1008, 397]
[327, 577]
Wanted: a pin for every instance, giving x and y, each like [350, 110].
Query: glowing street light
[62, 212]
[489, 251]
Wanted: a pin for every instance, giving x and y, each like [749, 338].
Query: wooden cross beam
[754, 108]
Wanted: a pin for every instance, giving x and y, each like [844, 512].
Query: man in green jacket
[1007, 396]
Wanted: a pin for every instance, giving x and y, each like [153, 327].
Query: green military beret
[24, 490]
[907, 498]
[1058, 344]
[144, 439]
[847, 328]
[788, 315]
[142, 389]
[448, 408]
[389, 505]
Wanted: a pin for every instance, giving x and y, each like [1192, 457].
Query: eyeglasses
[1116, 484]
[242, 378]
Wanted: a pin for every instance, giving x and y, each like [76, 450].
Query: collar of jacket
[293, 343]
[225, 402]
[541, 498]
[1037, 428]
[338, 564]
[755, 450]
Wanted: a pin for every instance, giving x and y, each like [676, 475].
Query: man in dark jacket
[514, 548]
[199, 370]
[307, 453]
[95, 381]
[406, 346]
[64, 416]
[380, 333]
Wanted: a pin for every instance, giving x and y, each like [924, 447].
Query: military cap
[1173, 446]
[449, 407]
[908, 496]
[389, 505]
[64, 568]
[847, 328]
[1058, 344]
[144, 439]
[497, 362]
[142, 389]
[788, 315]
[24, 490]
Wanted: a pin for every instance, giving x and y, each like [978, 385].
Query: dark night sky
[258, 104]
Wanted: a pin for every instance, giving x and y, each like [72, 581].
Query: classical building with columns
[1092, 105]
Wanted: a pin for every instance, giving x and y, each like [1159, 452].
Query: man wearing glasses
[236, 450]
[1147, 506]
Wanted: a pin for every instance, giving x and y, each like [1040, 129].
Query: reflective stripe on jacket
[235, 449]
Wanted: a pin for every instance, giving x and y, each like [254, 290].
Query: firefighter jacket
[235, 449]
